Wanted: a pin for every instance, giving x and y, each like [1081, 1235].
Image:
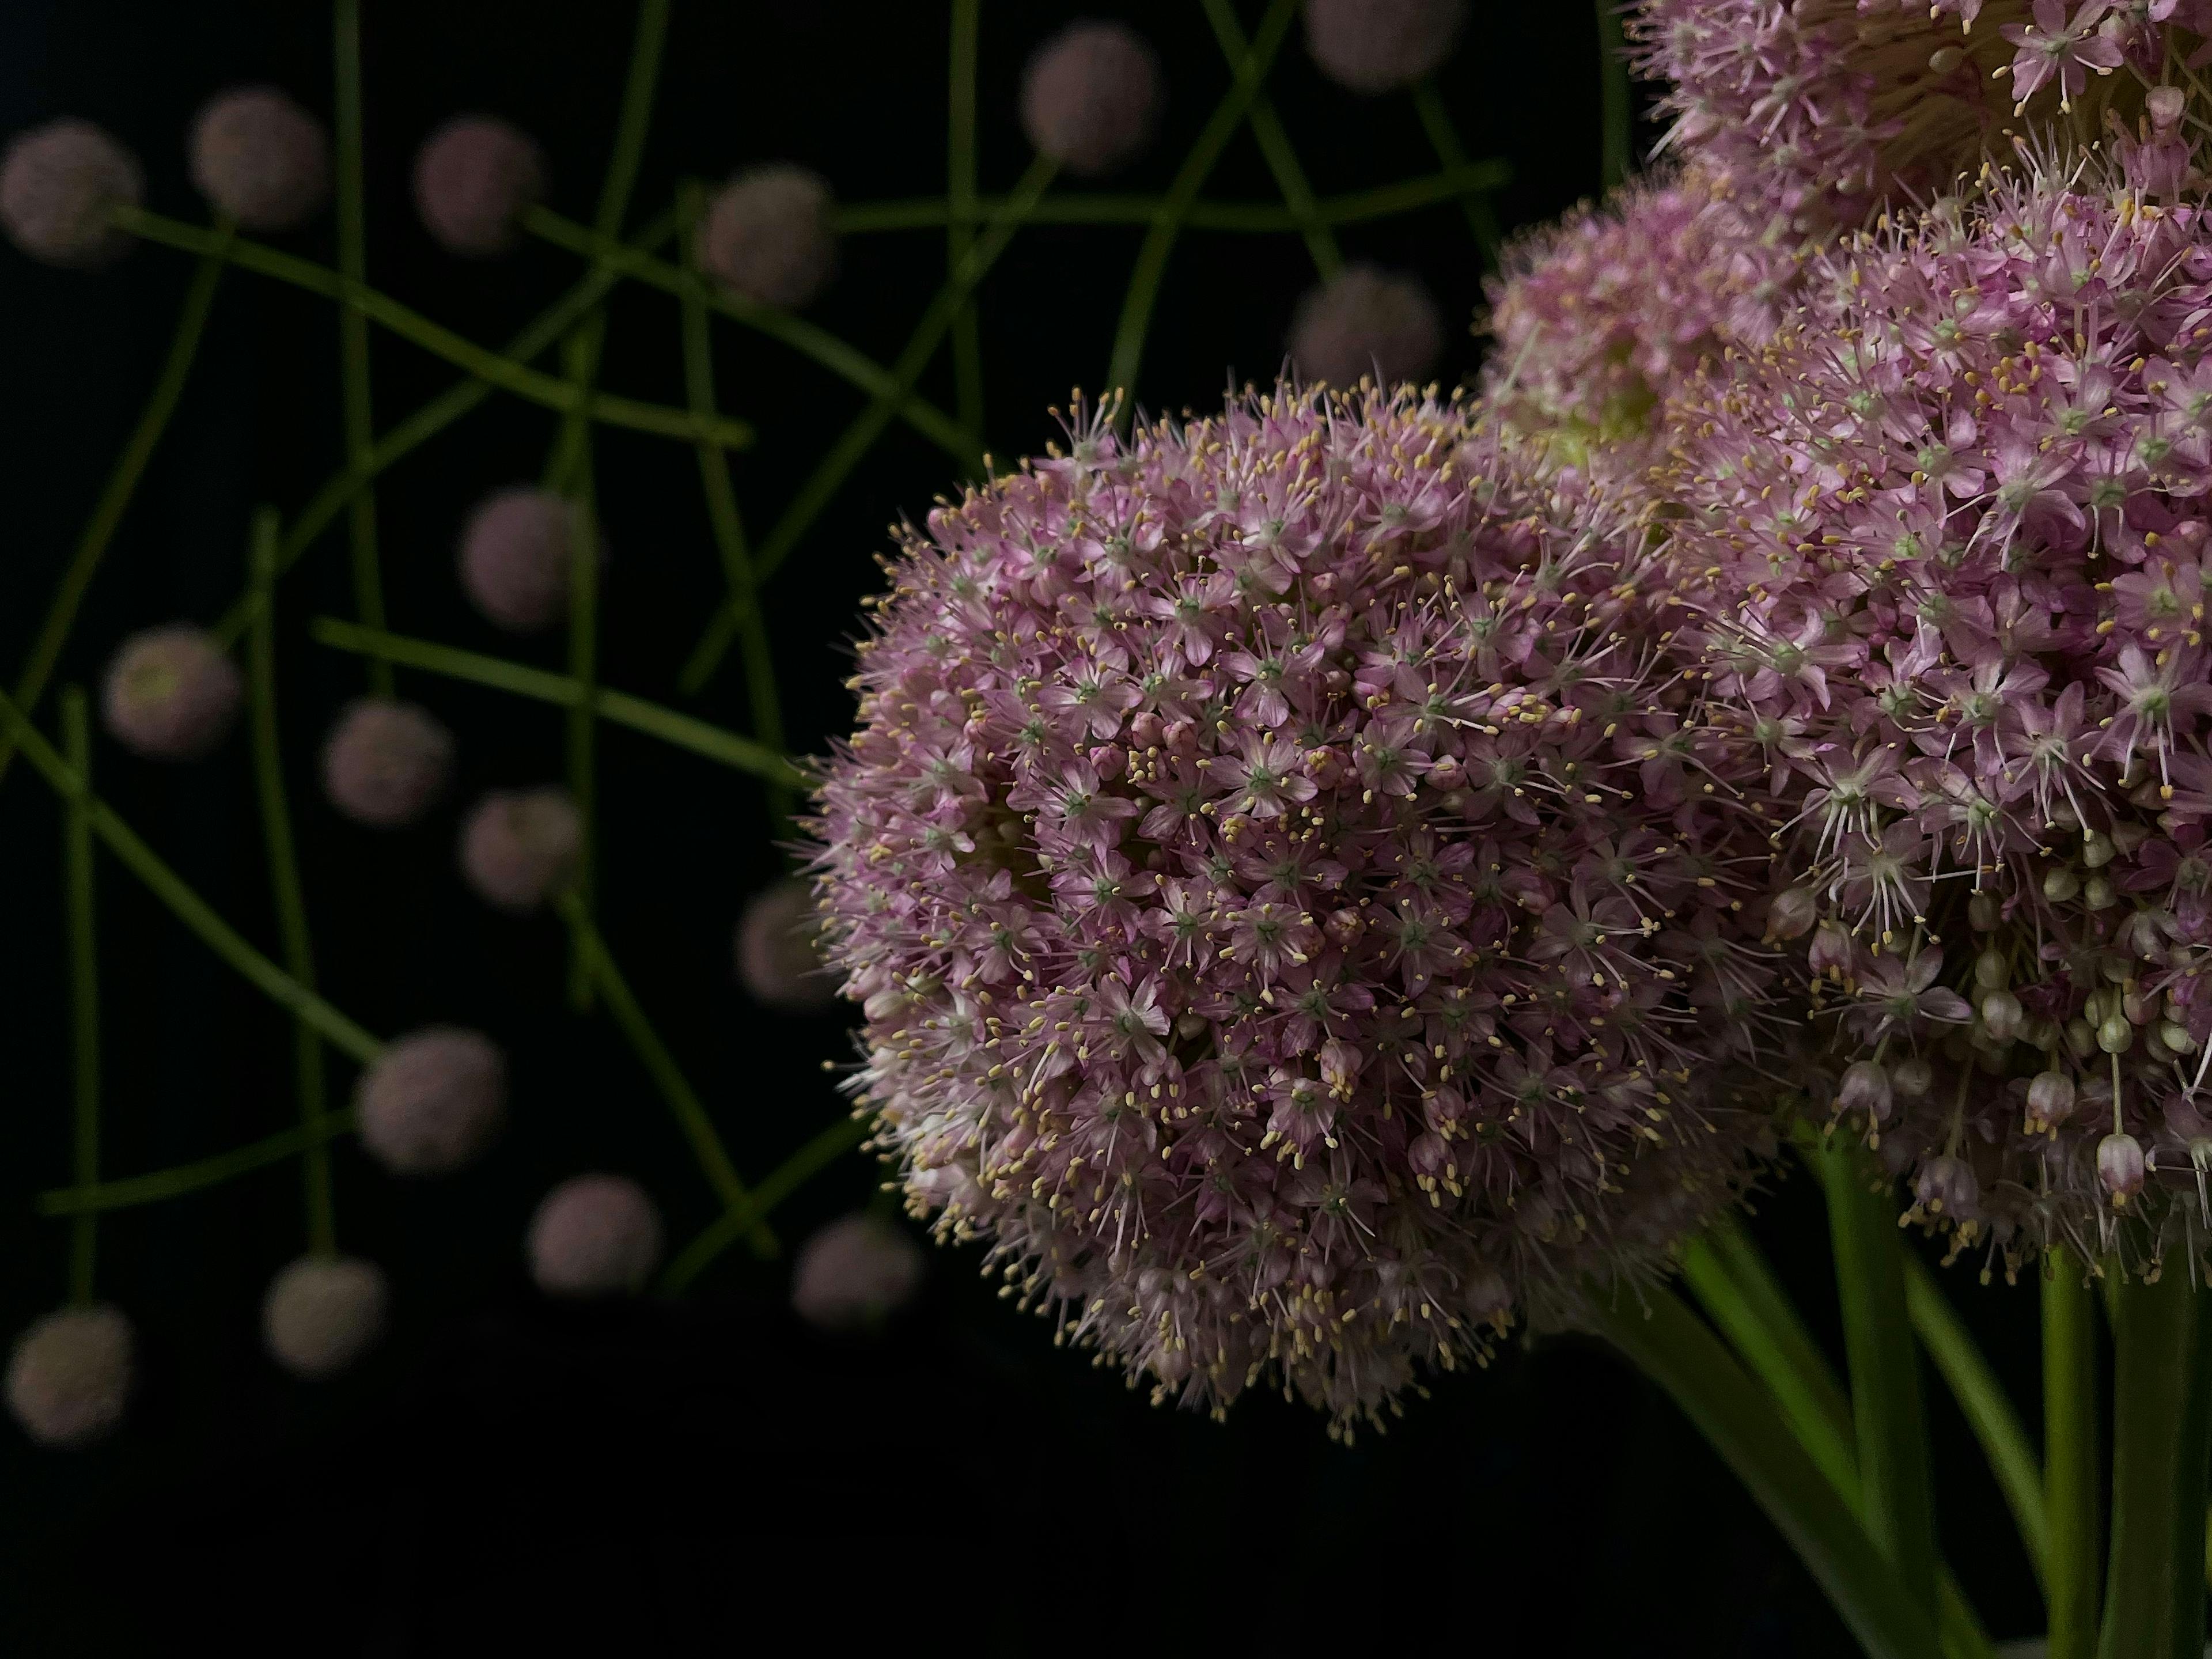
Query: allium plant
[1294, 921]
[1943, 560]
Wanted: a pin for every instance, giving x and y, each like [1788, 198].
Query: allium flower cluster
[1831, 108]
[1297, 914]
[1593, 320]
[1946, 557]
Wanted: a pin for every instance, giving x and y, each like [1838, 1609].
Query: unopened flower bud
[2098, 892]
[2116, 1035]
[1446, 773]
[2081, 1038]
[1791, 912]
[1831, 949]
[2120, 1167]
[1325, 766]
[1865, 1088]
[1108, 761]
[1983, 912]
[1948, 1186]
[1990, 971]
[2060, 884]
[1343, 925]
[1181, 738]
[2177, 1037]
[1144, 729]
[2097, 849]
[2049, 1100]
[2001, 1016]
[1912, 1078]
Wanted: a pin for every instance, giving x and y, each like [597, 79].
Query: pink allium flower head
[1942, 544]
[519, 848]
[778, 951]
[69, 1377]
[514, 557]
[1366, 321]
[432, 1100]
[386, 762]
[1833, 108]
[1594, 320]
[768, 235]
[594, 1234]
[1380, 46]
[856, 1272]
[170, 693]
[474, 176]
[58, 183]
[1090, 97]
[260, 158]
[322, 1313]
[1299, 919]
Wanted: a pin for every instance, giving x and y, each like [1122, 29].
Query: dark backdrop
[504, 1473]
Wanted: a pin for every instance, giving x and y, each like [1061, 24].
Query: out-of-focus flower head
[594, 1234]
[432, 1100]
[779, 951]
[768, 235]
[322, 1313]
[519, 848]
[855, 1274]
[69, 1377]
[257, 156]
[1366, 321]
[170, 693]
[1380, 46]
[58, 184]
[1298, 915]
[386, 762]
[1944, 557]
[1090, 97]
[514, 556]
[474, 176]
[1833, 109]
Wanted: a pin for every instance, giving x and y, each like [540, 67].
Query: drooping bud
[2049, 1100]
[1831, 949]
[1983, 911]
[1948, 1187]
[1990, 970]
[1912, 1078]
[2060, 884]
[2001, 1016]
[2116, 1035]
[1865, 1089]
[2120, 1167]
[1791, 912]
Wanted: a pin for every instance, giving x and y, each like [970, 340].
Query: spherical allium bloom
[170, 693]
[519, 846]
[1293, 902]
[514, 557]
[69, 1377]
[1380, 46]
[322, 1313]
[260, 158]
[386, 762]
[594, 1234]
[779, 950]
[474, 179]
[1595, 317]
[768, 235]
[58, 184]
[1366, 321]
[432, 1100]
[1091, 96]
[854, 1274]
[1833, 108]
[1943, 547]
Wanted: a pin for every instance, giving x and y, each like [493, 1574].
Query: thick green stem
[508, 375]
[1275, 145]
[188, 907]
[616, 708]
[1614, 91]
[683, 1100]
[2073, 1561]
[1145, 275]
[2161, 1426]
[1890, 1430]
[1676, 1351]
[1988, 1412]
[115, 495]
[784, 1180]
[959, 227]
[284, 887]
[822, 486]
[84, 986]
[728, 526]
[177, 1180]
[355, 400]
[1444, 138]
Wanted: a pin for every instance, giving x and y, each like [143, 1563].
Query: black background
[503, 1474]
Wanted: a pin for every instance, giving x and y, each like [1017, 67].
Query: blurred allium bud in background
[514, 557]
[432, 1100]
[768, 235]
[1091, 97]
[170, 693]
[261, 159]
[519, 848]
[855, 1274]
[1380, 46]
[594, 1234]
[779, 954]
[58, 183]
[68, 1376]
[473, 178]
[386, 762]
[322, 1313]
[1366, 322]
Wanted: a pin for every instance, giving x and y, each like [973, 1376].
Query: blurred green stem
[285, 883]
[2069, 1454]
[487, 365]
[115, 497]
[186, 905]
[617, 707]
[728, 528]
[1444, 138]
[1144, 277]
[354, 393]
[787, 1178]
[828, 477]
[180, 1179]
[84, 985]
[1614, 91]
[2162, 1431]
[959, 227]
[674, 1088]
[1275, 144]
